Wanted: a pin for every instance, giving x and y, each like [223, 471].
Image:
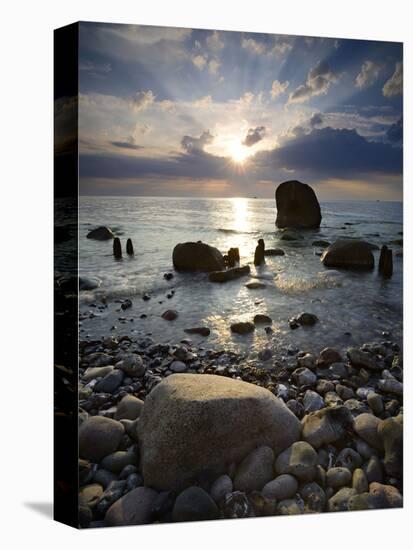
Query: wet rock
[274, 252]
[356, 407]
[386, 262]
[175, 453]
[233, 257]
[379, 496]
[134, 508]
[99, 437]
[390, 385]
[307, 319]
[194, 504]
[312, 401]
[96, 372]
[327, 357]
[295, 407]
[282, 487]
[348, 254]
[203, 331]
[264, 319]
[112, 493]
[314, 497]
[129, 408]
[375, 403]
[297, 205]
[304, 376]
[126, 304]
[366, 425]
[98, 359]
[243, 327]
[298, 460]
[89, 283]
[326, 426]
[390, 432]
[374, 470]
[265, 354]
[290, 507]
[132, 365]
[89, 495]
[344, 392]
[236, 505]
[169, 315]
[221, 487]
[306, 361]
[255, 470]
[321, 243]
[338, 477]
[338, 371]
[324, 386]
[197, 256]
[349, 458]
[178, 366]
[362, 359]
[360, 482]
[101, 234]
[340, 501]
[229, 274]
[104, 477]
[255, 285]
[110, 382]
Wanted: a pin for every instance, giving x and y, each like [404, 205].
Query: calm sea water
[358, 303]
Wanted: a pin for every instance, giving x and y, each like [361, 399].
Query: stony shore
[341, 411]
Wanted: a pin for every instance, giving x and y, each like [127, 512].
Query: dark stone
[101, 234]
[321, 243]
[236, 505]
[242, 327]
[297, 205]
[307, 319]
[203, 331]
[229, 274]
[168, 276]
[348, 254]
[117, 248]
[89, 283]
[274, 252]
[259, 253]
[169, 315]
[197, 256]
[129, 247]
[391, 432]
[126, 304]
[98, 437]
[194, 504]
[110, 382]
[233, 257]
[260, 318]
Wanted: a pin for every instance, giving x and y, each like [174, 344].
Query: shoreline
[367, 382]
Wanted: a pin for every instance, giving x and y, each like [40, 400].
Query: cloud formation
[318, 82]
[278, 88]
[254, 135]
[394, 86]
[368, 74]
[190, 144]
[142, 100]
[126, 144]
[395, 132]
[316, 120]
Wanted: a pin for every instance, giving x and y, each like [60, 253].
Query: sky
[182, 112]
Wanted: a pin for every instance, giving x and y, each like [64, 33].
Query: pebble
[110, 382]
[282, 487]
[221, 487]
[360, 482]
[304, 376]
[307, 361]
[374, 470]
[365, 426]
[314, 497]
[338, 477]
[312, 401]
[194, 504]
[178, 366]
[298, 460]
[169, 315]
[255, 470]
[339, 502]
[243, 327]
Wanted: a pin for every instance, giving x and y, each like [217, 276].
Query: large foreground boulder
[197, 257]
[297, 205]
[192, 428]
[348, 254]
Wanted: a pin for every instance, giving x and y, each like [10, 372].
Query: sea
[352, 307]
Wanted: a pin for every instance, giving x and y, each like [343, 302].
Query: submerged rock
[176, 453]
[297, 205]
[197, 256]
[243, 327]
[203, 331]
[274, 252]
[348, 254]
[101, 234]
[229, 274]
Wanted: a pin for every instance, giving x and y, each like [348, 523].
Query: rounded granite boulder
[297, 205]
[348, 254]
[193, 427]
[197, 256]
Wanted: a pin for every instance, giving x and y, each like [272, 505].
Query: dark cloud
[395, 132]
[254, 135]
[190, 144]
[334, 153]
[126, 145]
[318, 82]
[316, 120]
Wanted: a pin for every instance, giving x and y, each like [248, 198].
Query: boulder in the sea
[348, 254]
[386, 262]
[176, 453]
[101, 234]
[274, 252]
[243, 327]
[233, 257]
[197, 256]
[169, 315]
[89, 283]
[229, 274]
[297, 205]
[117, 248]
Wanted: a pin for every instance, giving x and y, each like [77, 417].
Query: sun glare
[239, 153]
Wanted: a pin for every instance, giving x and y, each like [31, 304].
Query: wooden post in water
[386, 262]
[117, 248]
[129, 247]
[259, 252]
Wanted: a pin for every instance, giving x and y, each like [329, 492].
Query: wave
[294, 284]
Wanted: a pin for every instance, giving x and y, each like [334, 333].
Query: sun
[238, 152]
